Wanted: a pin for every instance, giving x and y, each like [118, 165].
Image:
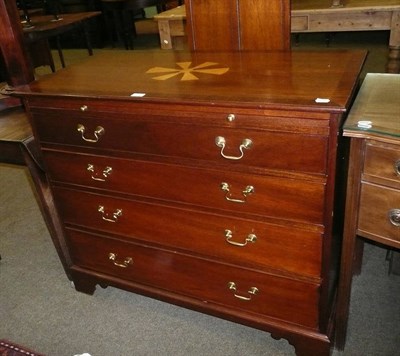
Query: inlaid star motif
[187, 72]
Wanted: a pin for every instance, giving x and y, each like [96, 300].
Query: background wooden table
[46, 26]
[309, 16]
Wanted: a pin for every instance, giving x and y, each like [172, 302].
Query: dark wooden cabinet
[203, 179]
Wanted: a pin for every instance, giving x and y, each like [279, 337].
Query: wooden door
[238, 24]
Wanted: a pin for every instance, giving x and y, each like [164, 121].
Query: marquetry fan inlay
[187, 72]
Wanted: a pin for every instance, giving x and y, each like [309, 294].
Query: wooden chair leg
[40, 54]
[60, 52]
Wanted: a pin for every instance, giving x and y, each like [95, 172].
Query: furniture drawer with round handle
[264, 294]
[382, 164]
[379, 213]
[240, 241]
[229, 146]
[239, 193]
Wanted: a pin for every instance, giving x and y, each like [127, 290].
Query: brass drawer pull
[113, 257]
[99, 131]
[115, 215]
[394, 217]
[247, 191]
[250, 238]
[246, 144]
[252, 291]
[397, 167]
[95, 176]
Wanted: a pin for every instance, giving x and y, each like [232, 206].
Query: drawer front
[239, 241]
[379, 212]
[250, 147]
[283, 298]
[277, 197]
[383, 161]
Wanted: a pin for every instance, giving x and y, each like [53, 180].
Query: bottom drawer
[283, 298]
[377, 216]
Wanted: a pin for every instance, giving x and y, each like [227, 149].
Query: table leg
[358, 256]
[60, 52]
[393, 256]
[165, 34]
[45, 197]
[393, 65]
[86, 35]
[350, 246]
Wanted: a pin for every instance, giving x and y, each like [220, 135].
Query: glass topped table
[373, 185]
[376, 110]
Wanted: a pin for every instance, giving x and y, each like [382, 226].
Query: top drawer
[210, 139]
[382, 164]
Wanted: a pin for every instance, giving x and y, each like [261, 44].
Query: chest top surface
[376, 111]
[320, 80]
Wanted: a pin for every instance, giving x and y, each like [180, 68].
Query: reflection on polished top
[376, 111]
[315, 79]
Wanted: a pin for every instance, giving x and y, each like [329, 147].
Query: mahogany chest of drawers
[203, 179]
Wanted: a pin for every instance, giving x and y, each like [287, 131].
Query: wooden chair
[238, 24]
[15, 57]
